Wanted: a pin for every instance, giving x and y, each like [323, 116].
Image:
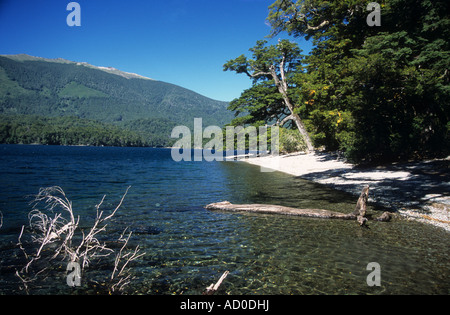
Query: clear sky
[184, 42]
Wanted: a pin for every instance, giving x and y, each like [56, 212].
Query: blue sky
[184, 42]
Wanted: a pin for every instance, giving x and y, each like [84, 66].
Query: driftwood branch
[274, 209]
[214, 287]
[53, 231]
[358, 214]
[121, 279]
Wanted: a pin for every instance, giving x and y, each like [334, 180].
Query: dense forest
[376, 93]
[31, 129]
[99, 101]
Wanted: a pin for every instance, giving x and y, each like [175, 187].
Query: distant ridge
[52, 88]
[25, 57]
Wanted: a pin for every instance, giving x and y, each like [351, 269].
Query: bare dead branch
[120, 280]
[56, 224]
[214, 287]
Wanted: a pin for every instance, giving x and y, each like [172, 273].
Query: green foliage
[153, 131]
[260, 103]
[77, 90]
[273, 69]
[29, 129]
[291, 141]
[378, 93]
[249, 137]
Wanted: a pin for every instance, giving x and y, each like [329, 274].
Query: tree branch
[257, 73]
[214, 287]
[60, 229]
[316, 28]
[285, 119]
[283, 77]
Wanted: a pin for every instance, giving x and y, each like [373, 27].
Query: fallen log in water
[358, 214]
[263, 208]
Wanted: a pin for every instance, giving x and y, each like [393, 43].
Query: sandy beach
[416, 190]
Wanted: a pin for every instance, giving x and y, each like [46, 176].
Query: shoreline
[415, 190]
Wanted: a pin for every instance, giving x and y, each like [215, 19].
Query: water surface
[187, 247]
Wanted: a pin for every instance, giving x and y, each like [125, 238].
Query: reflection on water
[188, 247]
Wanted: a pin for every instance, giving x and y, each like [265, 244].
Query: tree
[272, 66]
[378, 93]
[260, 103]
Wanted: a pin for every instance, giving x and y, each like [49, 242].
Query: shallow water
[187, 247]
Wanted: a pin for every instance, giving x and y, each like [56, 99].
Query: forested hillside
[117, 100]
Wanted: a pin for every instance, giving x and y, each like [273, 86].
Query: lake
[188, 248]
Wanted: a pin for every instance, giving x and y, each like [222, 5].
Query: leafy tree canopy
[378, 93]
[273, 68]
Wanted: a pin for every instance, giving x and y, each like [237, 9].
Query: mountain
[52, 88]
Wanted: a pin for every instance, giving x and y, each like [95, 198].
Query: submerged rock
[150, 230]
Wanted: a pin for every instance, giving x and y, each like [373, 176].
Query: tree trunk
[301, 127]
[282, 88]
[358, 214]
